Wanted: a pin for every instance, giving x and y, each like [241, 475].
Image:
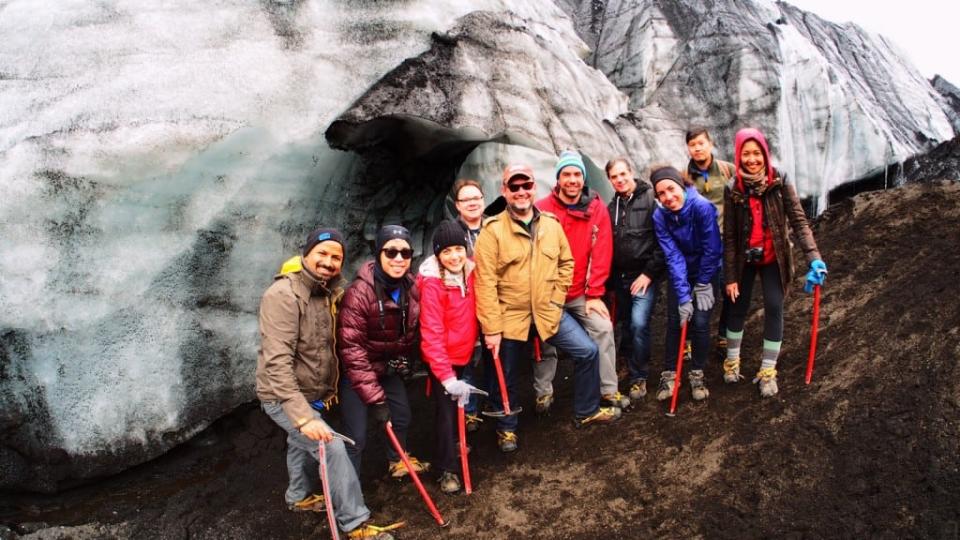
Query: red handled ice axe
[464, 464]
[507, 411]
[677, 378]
[413, 474]
[331, 519]
[813, 332]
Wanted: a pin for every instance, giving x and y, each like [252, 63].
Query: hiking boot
[665, 390]
[543, 404]
[697, 389]
[616, 399]
[507, 441]
[398, 469]
[768, 382]
[604, 415]
[472, 422]
[449, 482]
[369, 531]
[310, 503]
[731, 370]
[638, 390]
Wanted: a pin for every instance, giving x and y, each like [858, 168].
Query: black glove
[380, 412]
[401, 367]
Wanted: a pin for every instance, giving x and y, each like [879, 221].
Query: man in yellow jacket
[524, 268]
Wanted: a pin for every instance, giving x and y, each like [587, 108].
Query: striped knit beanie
[570, 158]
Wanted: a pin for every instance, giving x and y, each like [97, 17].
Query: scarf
[754, 184]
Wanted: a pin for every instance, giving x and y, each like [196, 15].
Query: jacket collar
[582, 207]
[430, 267]
[313, 286]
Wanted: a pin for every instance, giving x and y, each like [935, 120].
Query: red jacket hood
[744, 135]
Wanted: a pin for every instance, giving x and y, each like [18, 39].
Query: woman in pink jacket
[448, 331]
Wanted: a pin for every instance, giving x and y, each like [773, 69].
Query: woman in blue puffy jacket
[686, 227]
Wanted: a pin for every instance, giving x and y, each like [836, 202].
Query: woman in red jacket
[376, 335]
[448, 330]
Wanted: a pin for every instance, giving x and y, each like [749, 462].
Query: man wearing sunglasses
[586, 224]
[524, 269]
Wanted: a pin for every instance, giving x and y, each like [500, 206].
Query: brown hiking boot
[310, 503]
[697, 389]
[369, 531]
[731, 370]
[768, 382]
[665, 390]
[616, 399]
[604, 415]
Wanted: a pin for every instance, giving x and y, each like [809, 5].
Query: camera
[754, 255]
[400, 366]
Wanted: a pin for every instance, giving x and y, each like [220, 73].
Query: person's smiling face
[752, 159]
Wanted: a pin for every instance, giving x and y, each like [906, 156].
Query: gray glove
[686, 311]
[459, 390]
[703, 293]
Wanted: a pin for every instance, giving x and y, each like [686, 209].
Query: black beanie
[388, 233]
[322, 235]
[448, 233]
[666, 173]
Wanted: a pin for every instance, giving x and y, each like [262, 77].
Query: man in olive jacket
[524, 268]
[297, 375]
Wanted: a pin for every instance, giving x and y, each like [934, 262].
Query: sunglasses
[392, 253]
[526, 186]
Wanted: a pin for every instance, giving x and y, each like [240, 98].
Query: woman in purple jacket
[686, 227]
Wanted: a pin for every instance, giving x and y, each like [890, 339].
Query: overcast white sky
[927, 31]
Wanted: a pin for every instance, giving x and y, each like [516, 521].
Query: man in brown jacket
[297, 376]
[524, 268]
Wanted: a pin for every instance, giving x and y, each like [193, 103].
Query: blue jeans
[354, 416]
[698, 330]
[572, 340]
[635, 312]
[303, 469]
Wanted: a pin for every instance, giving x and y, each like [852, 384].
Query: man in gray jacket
[297, 374]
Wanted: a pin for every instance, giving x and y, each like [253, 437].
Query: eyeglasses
[471, 199]
[526, 186]
[392, 253]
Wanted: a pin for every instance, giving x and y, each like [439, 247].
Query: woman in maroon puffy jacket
[376, 336]
[448, 328]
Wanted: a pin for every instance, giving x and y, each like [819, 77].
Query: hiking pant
[354, 413]
[772, 300]
[720, 294]
[634, 311]
[575, 343]
[698, 330]
[484, 379]
[303, 468]
[600, 330]
[447, 454]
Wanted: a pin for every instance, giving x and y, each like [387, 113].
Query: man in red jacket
[586, 223]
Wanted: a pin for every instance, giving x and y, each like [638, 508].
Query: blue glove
[816, 275]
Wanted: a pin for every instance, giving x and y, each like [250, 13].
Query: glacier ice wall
[158, 162]
[837, 102]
